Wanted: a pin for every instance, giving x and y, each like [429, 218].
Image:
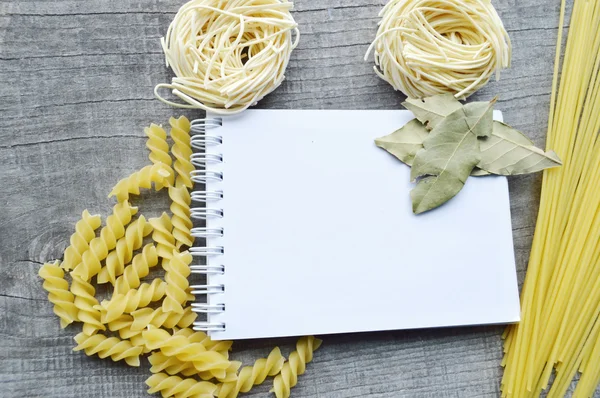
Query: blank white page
[319, 234]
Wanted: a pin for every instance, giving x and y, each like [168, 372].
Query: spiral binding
[203, 141]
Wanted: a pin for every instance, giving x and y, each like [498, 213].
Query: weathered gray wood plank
[77, 80]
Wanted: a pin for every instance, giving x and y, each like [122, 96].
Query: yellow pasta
[85, 231]
[174, 386]
[182, 150]
[85, 301]
[182, 223]
[253, 375]
[148, 175]
[176, 275]
[111, 347]
[163, 235]
[123, 252]
[159, 151]
[295, 366]
[183, 349]
[139, 268]
[114, 230]
[139, 320]
[560, 298]
[134, 299]
[58, 293]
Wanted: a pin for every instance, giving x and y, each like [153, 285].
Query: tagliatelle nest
[227, 55]
[429, 47]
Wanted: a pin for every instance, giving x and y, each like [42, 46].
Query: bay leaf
[449, 154]
[507, 151]
[404, 142]
[432, 110]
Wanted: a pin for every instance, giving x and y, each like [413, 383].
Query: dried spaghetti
[560, 328]
[227, 55]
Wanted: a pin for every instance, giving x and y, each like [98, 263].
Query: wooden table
[76, 91]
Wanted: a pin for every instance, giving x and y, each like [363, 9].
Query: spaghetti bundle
[560, 328]
[227, 55]
[429, 47]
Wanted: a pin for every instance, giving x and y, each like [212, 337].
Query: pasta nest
[227, 55]
[429, 47]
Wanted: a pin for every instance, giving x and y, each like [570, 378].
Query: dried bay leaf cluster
[449, 141]
[146, 265]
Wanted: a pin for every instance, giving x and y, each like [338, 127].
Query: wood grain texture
[77, 80]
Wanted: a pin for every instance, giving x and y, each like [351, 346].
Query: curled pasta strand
[111, 347]
[139, 320]
[182, 150]
[85, 231]
[295, 366]
[227, 56]
[182, 348]
[134, 299]
[163, 235]
[429, 47]
[114, 230]
[123, 252]
[254, 375]
[176, 275]
[85, 301]
[171, 365]
[58, 293]
[159, 151]
[174, 386]
[139, 268]
[182, 223]
[144, 178]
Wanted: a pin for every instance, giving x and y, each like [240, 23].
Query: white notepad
[319, 235]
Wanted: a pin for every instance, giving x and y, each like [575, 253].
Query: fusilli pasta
[182, 150]
[180, 347]
[85, 301]
[253, 375]
[114, 230]
[163, 235]
[182, 223]
[174, 386]
[139, 268]
[85, 231]
[295, 366]
[123, 252]
[156, 173]
[134, 299]
[58, 293]
[159, 150]
[111, 347]
[160, 318]
[176, 275]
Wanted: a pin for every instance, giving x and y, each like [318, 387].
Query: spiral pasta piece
[134, 299]
[182, 348]
[144, 178]
[58, 293]
[163, 235]
[174, 386]
[295, 366]
[182, 150]
[85, 231]
[176, 275]
[182, 223]
[139, 268]
[159, 150]
[144, 317]
[253, 375]
[111, 347]
[85, 301]
[429, 47]
[171, 365]
[123, 325]
[123, 252]
[114, 230]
